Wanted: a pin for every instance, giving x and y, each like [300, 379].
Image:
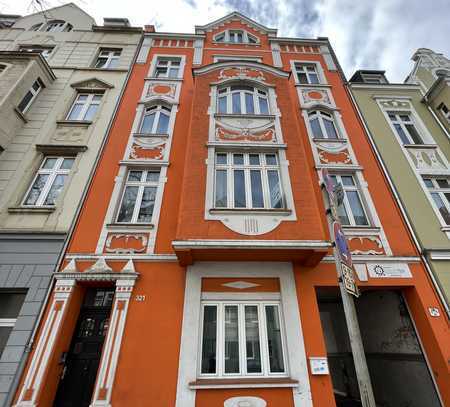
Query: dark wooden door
[81, 365]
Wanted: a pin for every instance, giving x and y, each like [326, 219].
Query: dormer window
[58, 26]
[236, 37]
[242, 99]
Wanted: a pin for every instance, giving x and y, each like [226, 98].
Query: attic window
[373, 78]
[236, 37]
[58, 26]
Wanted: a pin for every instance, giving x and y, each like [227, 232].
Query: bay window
[439, 188]
[351, 212]
[155, 120]
[405, 127]
[85, 107]
[138, 199]
[241, 99]
[322, 125]
[242, 339]
[247, 180]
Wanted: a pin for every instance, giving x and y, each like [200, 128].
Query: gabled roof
[235, 15]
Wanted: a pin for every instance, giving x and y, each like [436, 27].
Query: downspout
[29, 345]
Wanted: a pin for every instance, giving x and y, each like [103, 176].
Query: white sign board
[389, 270]
[319, 365]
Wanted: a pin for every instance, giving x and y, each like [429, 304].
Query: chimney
[149, 28]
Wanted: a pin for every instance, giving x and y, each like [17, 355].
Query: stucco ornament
[245, 402]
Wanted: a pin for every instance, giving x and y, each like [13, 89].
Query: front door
[81, 365]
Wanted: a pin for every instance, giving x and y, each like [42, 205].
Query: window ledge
[130, 225]
[430, 146]
[258, 44]
[445, 228]
[150, 135]
[358, 228]
[245, 116]
[31, 209]
[21, 115]
[313, 85]
[61, 149]
[243, 383]
[106, 69]
[329, 140]
[156, 78]
[74, 123]
[246, 211]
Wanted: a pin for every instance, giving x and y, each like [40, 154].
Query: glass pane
[330, 129]
[223, 104]
[356, 207]
[302, 77]
[152, 176]
[249, 107]
[257, 192]
[236, 102]
[252, 345]
[36, 86]
[401, 133]
[10, 304]
[231, 339]
[163, 124]
[92, 109]
[49, 163]
[441, 207]
[428, 182]
[276, 197]
[147, 123]
[113, 63]
[443, 183]
[173, 72]
[347, 180]
[274, 339]
[103, 327]
[313, 78]
[55, 189]
[392, 117]
[405, 117]
[315, 128]
[87, 327]
[413, 133]
[75, 112]
[101, 62]
[254, 159]
[4, 335]
[36, 189]
[24, 103]
[134, 175]
[127, 207]
[82, 98]
[221, 158]
[238, 159]
[147, 204]
[221, 189]
[209, 339]
[263, 106]
[97, 98]
[239, 189]
[67, 163]
[161, 72]
[271, 159]
[342, 213]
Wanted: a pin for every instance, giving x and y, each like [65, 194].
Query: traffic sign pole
[359, 357]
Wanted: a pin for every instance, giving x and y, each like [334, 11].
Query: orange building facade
[200, 270]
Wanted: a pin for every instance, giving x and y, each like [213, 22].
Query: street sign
[341, 244]
[348, 278]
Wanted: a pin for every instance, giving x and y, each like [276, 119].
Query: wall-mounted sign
[319, 365]
[434, 312]
[389, 270]
[348, 277]
[341, 244]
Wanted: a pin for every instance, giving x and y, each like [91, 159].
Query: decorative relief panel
[148, 148]
[70, 135]
[426, 158]
[245, 401]
[311, 96]
[334, 153]
[251, 225]
[366, 245]
[243, 129]
[395, 103]
[126, 243]
[161, 89]
[241, 73]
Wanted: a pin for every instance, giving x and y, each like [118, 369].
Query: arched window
[36, 27]
[155, 120]
[58, 26]
[242, 99]
[236, 37]
[322, 125]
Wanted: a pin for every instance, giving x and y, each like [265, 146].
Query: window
[373, 78]
[36, 27]
[58, 26]
[405, 128]
[307, 73]
[240, 99]
[322, 125]
[10, 305]
[220, 37]
[84, 107]
[440, 192]
[167, 67]
[443, 109]
[2, 68]
[30, 96]
[236, 37]
[247, 180]
[44, 51]
[351, 212]
[49, 181]
[108, 58]
[155, 120]
[242, 339]
[138, 200]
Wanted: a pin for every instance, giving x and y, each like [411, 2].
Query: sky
[365, 34]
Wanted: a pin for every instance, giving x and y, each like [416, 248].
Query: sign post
[348, 287]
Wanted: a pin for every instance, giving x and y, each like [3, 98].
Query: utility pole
[347, 287]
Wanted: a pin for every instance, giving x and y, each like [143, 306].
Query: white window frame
[256, 95]
[108, 53]
[52, 173]
[89, 101]
[373, 78]
[159, 109]
[247, 38]
[54, 25]
[321, 116]
[436, 189]
[34, 93]
[170, 61]
[45, 51]
[303, 68]
[318, 68]
[229, 167]
[402, 124]
[141, 185]
[442, 109]
[348, 209]
[263, 341]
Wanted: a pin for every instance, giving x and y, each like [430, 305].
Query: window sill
[150, 135]
[63, 149]
[21, 115]
[31, 209]
[74, 123]
[329, 140]
[243, 383]
[314, 85]
[246, 211]
[130, 225]
[236, 43]
[245, 116]
[157, 78]
[430, 146]
[358, 228]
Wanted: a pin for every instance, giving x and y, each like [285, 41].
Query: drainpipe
[29, 346]
[401, 206]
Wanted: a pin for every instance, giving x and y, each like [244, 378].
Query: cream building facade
[61, 76]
